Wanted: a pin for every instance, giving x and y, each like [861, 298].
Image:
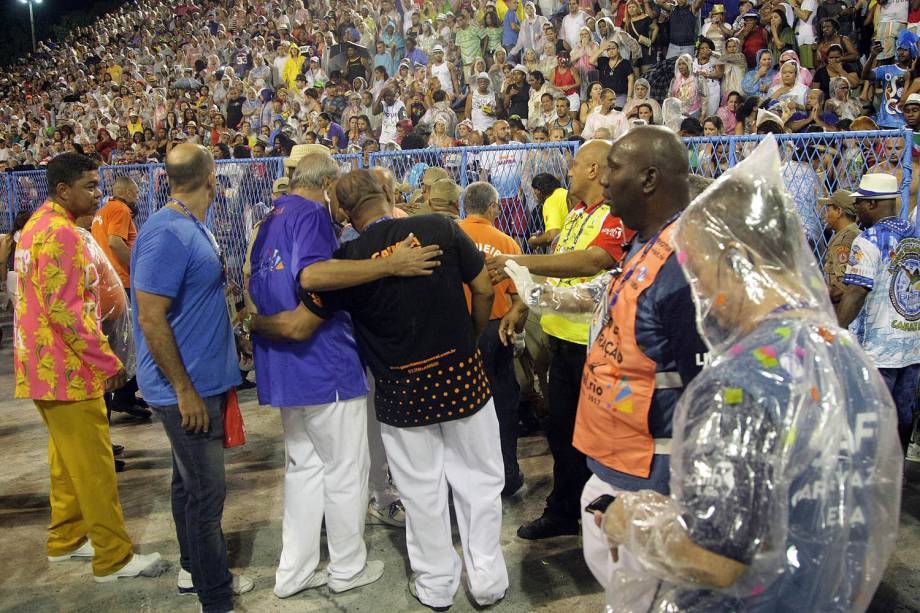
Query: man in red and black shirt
[591, 241]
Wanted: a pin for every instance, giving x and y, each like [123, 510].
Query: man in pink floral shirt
[64, 363]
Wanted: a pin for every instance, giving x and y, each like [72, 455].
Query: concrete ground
[545, 576]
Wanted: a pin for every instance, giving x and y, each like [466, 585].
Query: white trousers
[325, 473]
[464, 454]
[597, 549]
[378, 482]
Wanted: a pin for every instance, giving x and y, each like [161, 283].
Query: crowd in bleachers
[251, 79]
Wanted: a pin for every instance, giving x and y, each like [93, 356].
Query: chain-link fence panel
[29, 190]
[150, 179]
[815, 165]
[7, 212]
[509, 168]
[244, 197]
[351, 161]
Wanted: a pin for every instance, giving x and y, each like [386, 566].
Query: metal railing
[814, 166]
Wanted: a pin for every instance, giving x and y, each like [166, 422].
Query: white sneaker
[84, 551]
[241, 583]
[391, 515]
[913, 454]
[373, 570]
[414, 592]
[143, 565]
[317, 579]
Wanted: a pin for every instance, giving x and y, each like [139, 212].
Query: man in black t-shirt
[432, 395]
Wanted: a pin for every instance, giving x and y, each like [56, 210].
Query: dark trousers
[498, 361]
[125, 395]
[902, 383]
[570, 469]
[198, 493]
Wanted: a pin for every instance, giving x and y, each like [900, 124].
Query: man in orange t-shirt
[114, 230]
[497, 343]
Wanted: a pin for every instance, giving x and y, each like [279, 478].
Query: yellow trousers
[84, 491]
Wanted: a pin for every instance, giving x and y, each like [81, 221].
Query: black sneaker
[132, 410]
[119, 466]
[246, 384]
[547, 526]
[117, 450]
[513, 483]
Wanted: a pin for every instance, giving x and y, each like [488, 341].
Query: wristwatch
[246, 326]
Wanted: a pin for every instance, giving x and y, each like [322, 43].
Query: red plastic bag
[234, 429]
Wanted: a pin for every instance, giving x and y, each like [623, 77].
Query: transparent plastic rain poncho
[582, 303]
[114, 308]
[785, 456]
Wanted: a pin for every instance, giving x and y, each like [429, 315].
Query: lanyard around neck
[207, 234]
[632, 269]
[568, 234]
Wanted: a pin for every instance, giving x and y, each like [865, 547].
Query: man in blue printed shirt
[318, 384]
[883, 289]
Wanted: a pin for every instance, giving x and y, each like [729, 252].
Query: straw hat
[877, 186]
[298, 152]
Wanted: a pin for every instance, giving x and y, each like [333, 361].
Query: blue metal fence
[509, 168]
[817, 164]
[814, 166]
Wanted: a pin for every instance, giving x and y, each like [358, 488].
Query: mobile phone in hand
[600, 504]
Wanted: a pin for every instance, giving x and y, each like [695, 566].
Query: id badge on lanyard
[599, 319]
[228, 292]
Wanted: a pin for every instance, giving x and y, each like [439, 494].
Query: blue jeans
[902, 383]
[198, 492]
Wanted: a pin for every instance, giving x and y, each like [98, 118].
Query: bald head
[125, 189]
[646, 180]
[359, 189]
[656, 146]
[188, 167]
[386, 178]
[594, 151]
[587, 169]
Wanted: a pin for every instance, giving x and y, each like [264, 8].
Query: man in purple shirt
[318, 384]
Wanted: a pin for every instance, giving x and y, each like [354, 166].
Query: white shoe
[184, 582]
[391, 515]
[143, 565]
[241, 583]
[414, 592]
[84, 551]
[317, 579]
[913, 454]
[373, 570]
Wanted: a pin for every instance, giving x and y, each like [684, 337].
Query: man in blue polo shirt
[186, 363]
[319, 384]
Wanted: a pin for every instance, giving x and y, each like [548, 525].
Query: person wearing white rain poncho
[785, 464]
